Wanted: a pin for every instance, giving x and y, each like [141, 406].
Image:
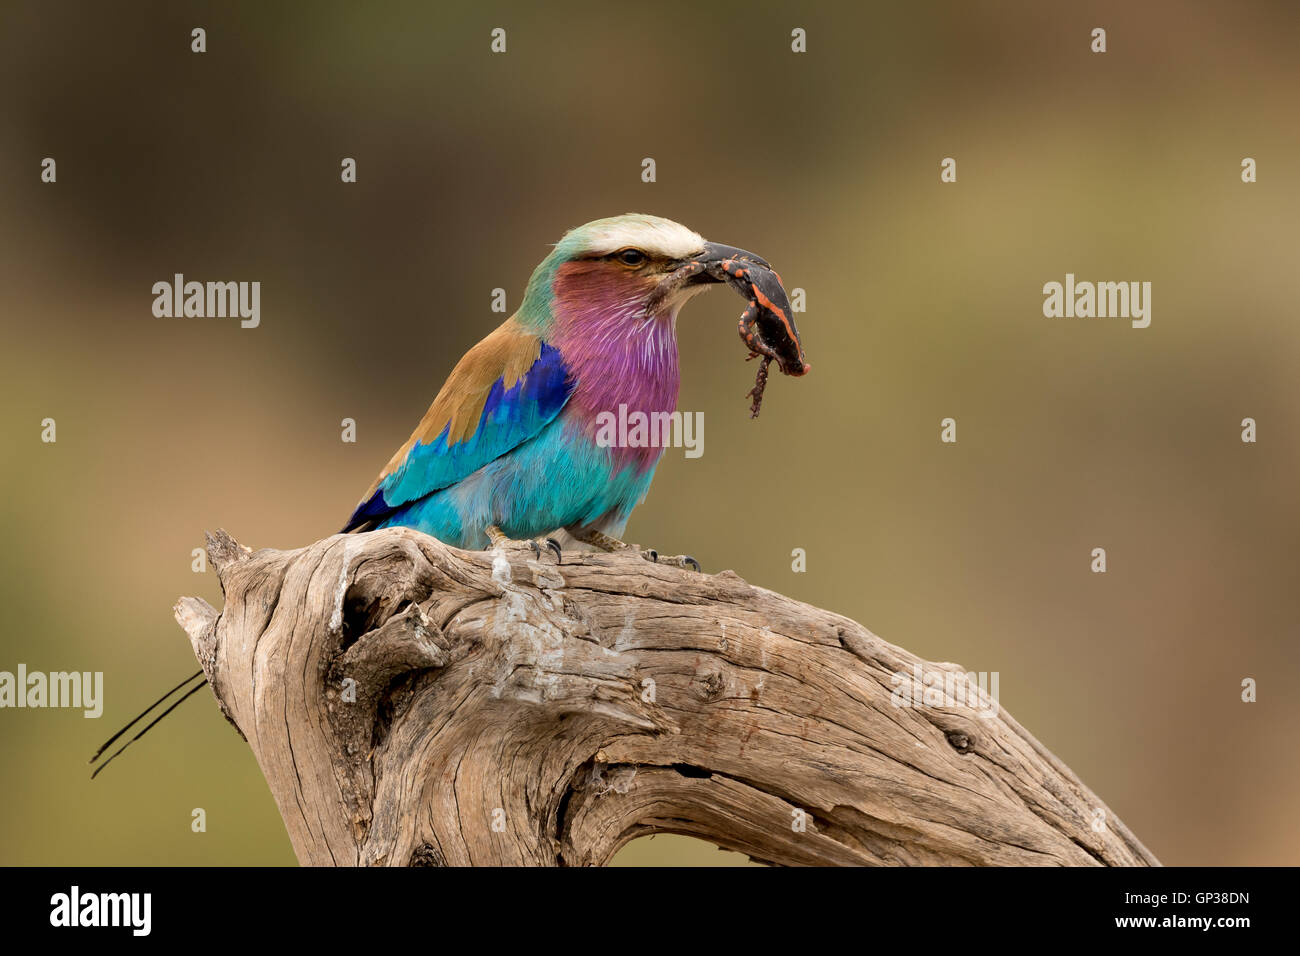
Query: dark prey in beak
[767, 325]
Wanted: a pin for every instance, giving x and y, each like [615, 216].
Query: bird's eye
[631, 257]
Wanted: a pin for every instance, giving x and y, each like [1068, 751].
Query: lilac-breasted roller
[508, 449]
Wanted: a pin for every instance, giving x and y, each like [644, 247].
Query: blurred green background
[924, 301]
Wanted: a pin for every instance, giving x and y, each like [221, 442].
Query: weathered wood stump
[413, 704]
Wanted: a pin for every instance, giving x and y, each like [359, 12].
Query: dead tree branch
[413, 704]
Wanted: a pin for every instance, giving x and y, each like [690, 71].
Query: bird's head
[623, 269]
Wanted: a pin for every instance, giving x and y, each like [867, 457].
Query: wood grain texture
[413, 704]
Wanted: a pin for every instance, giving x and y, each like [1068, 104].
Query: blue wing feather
[510, 417]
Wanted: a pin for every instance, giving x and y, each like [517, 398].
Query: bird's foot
[609, 543]
[499, 539]
[673, 560]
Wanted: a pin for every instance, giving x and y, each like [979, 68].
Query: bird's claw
[551, 545]
[613, 545]
[676, 560]
[498, 539]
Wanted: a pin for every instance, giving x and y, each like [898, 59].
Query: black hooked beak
[715, 252]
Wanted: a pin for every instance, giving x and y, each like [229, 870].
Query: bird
[508, 451]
